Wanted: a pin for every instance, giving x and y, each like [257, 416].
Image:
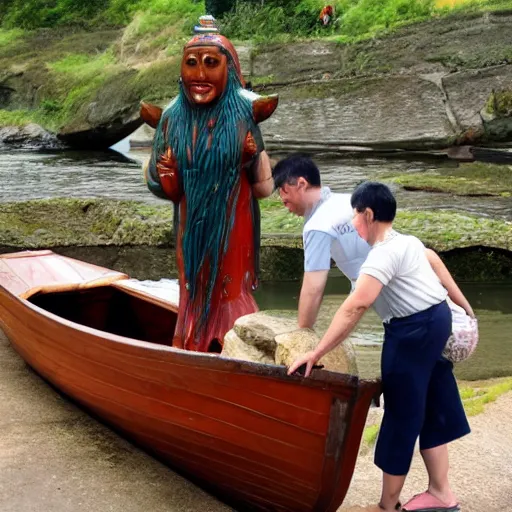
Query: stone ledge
[137, 238]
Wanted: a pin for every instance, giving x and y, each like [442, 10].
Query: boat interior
[109, 309]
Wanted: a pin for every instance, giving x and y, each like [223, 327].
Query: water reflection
[28, 175]
[492, 304]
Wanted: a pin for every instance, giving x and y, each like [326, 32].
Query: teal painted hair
[210, 177]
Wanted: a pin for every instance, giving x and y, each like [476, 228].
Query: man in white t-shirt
[328, 230]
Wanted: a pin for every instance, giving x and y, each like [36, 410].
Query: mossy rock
[444, 230]
[83, 222]
[474, 179]
[474, 248]
[76, 85]
[499, 103]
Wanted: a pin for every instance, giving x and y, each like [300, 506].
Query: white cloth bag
[464, 338]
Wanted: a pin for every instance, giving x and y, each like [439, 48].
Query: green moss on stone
[443, 230]
[474, 248]
[474, 179]
[15, 118]
[262, 80]
[159, 80]
[500, 103]
[83, 222]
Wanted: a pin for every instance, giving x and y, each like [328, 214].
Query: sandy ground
[481, 466]
[56, 458]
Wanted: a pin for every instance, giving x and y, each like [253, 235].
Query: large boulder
[31, 135]
[270, 339]
[421, 88]
[108, 117]
[389, 112]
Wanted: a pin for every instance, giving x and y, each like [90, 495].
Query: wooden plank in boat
[29, 272]
[165, 294]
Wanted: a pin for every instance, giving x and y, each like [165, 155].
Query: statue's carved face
[204, 71]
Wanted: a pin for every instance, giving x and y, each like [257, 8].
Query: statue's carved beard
[208, 144]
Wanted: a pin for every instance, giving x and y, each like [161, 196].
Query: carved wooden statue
[208, 158]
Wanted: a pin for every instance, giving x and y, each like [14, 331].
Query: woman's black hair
[376, 196]
[293, 167]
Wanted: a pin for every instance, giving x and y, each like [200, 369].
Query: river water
[33, 175]
[28, 175]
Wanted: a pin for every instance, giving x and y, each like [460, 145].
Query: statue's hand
[167, 168]
[250, 146]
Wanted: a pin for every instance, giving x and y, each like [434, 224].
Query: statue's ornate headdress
[206, 25]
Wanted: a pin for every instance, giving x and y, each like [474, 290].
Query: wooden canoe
[255, 437]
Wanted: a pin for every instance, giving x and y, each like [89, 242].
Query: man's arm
[448, 282]
[263, 184]
[317, 262]
[311, 295]
[346, 318]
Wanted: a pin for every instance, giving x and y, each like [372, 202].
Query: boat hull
[254, 436]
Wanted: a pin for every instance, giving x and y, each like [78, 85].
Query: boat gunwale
[318, 378]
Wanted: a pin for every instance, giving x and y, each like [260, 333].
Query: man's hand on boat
[305, 364]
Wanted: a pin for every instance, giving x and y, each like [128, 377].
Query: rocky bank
[428, 86]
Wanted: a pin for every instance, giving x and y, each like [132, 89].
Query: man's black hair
[293, 167]
[376, 196]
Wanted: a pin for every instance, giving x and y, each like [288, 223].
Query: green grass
[275, 21]
[475, 179]
[476, 396]
[82, 67]
[370, 434]
[10, 37]
[158, 80]
[151, 17]
[354, 20]
[73, 80]
[16, 117]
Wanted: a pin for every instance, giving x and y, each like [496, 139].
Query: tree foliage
[219, 7]
[31, 14]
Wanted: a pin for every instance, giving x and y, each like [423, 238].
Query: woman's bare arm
[448, 282]
[353, 308]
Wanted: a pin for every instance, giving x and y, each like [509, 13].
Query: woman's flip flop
[426, 502]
